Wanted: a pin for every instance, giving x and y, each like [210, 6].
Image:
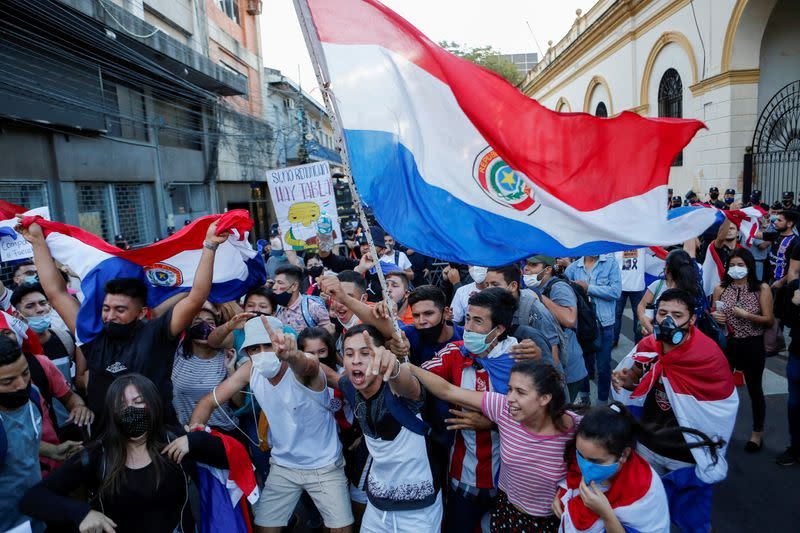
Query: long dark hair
[546, 380]
[114, 441]
[753, 285]
[683, 271]
[317, 332]
[616, 429]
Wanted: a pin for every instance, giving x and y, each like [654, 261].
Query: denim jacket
[605, 285]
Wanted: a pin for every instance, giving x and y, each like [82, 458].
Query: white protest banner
[302, 195]
[12, 245]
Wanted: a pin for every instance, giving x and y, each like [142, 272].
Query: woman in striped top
[534, 431]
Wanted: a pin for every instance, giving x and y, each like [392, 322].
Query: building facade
[130, 117]
[734, 64]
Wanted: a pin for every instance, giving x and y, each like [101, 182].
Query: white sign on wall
[12, 245]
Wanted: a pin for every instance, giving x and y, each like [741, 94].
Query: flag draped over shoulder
[438, 143]
[167, 267]
[699, 386]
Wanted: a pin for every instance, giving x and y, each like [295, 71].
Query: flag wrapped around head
[167, 267]
[436, 142]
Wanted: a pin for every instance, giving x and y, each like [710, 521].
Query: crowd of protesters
[480, 399]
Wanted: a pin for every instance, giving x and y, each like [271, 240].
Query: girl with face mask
[609, 487]
[744, 306]
[133, 471]
[198, 368]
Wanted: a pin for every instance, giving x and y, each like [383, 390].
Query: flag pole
[323, 79]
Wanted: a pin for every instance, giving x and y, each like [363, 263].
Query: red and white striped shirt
[532, 465]
[475, 455]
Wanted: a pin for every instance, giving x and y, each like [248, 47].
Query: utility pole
[302, 151]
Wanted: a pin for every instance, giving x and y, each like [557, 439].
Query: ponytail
[616, 429]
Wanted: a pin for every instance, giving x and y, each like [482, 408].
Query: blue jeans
[793, 403]
[635, 297]
[601, 361]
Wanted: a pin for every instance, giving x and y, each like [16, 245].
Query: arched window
[601, 110]
[670, 101]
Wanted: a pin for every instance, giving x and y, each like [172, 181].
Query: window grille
[670, 101]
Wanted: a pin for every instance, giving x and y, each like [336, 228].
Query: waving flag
[168, 266]
[437, 143]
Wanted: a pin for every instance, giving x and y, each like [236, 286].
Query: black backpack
[587, 326]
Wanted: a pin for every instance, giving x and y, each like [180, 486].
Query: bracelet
[210, 245]
[397, 372]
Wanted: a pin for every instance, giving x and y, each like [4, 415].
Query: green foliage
[486, 57]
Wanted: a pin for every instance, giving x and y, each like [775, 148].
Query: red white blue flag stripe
[437, 143]
[167, 267]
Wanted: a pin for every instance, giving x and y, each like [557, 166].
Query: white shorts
[327, 487]
[425, 520]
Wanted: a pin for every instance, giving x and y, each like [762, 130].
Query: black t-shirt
[658, 413]
[54, 349]
[724, 254]
[149, 350]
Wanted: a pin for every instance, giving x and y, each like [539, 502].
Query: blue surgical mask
[39, 324]
[595, 472]
[729, 200]
[30, 280]
[773, 218]
[476, 342]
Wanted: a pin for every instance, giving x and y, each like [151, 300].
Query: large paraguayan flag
[168, 266]
[438, 144]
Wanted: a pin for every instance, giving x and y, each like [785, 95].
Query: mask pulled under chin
[266, 363]
[431, 335]
[15, 399]
[120, 331]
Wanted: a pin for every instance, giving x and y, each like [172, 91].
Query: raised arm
[722, 233]
[385, 363]
[222, 336]
[185, 310]
[304, 366]
[50, 277]
[223, 392]
[331, 286]
[447, 391]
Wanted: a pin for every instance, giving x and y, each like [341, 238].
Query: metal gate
[773, 162]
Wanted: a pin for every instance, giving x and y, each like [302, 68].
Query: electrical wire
[122, 26]
[700, 35]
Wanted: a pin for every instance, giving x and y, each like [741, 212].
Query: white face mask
[737, 272]
[478, 273]
[276, 244]
[266, 363]
[531, 280]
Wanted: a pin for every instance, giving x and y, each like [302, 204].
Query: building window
[670, 101]
[601, 110]
[28, 194]
[233, 70]
[125, 111]
[108, 210]
[189, 199]
[230, 8]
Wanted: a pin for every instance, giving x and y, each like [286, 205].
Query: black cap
[730, 191]
[677, 199]
[669, 191]
[691, 194]
[777, 206]
[713, 189]
[787, 195]
[756, 192]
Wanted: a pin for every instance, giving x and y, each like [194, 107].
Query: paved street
[758, 495]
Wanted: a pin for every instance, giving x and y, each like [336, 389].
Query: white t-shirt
[632, 266]
[401, 260]
[302, 430]
[460, 299]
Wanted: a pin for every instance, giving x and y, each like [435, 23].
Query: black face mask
[121, 331]
[670, 333]
[316, 271]
[134, 421]
[15, 399]
[714, 195]
[282, 298]
[787, 203]
[200, 331]
[431, 335]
